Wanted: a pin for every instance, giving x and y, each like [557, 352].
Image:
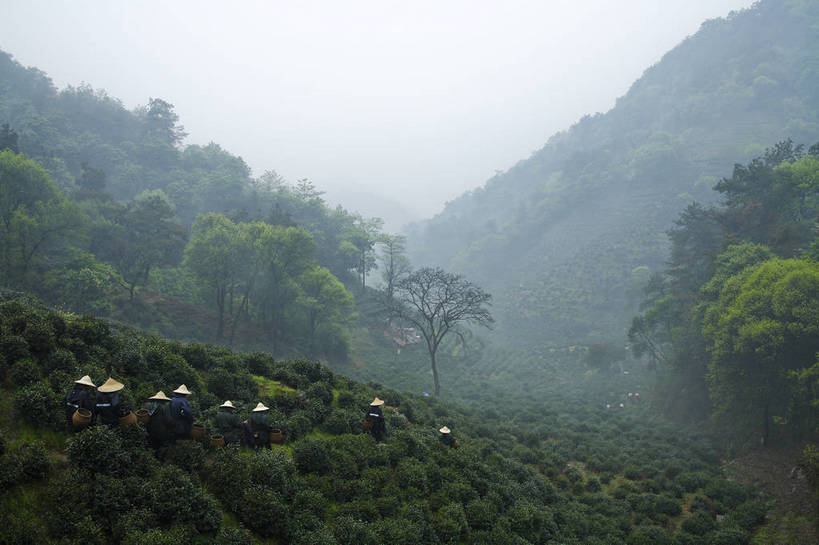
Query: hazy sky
[415, 102]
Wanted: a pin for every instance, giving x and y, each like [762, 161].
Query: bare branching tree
[437, 302]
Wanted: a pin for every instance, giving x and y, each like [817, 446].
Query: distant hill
[566, 239]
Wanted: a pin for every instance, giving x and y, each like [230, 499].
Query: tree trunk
[220, 304]
[434, 373]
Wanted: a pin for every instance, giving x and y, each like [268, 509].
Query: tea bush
[37, 403]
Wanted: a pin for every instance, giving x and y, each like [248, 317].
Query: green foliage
[37, 404]
[310, 455]
[98, 449]
[265, 512]
[173, 497]
[188, 455]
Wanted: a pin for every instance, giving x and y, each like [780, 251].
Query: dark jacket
[378, 425]
[229, 425]
[260, 422]
[107, 408]
[447, 439]
[161, 426]
[182, 414]
[79, 398]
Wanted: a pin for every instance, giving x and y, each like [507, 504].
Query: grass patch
[270, 387]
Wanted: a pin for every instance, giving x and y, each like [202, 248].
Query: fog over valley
[412, 102]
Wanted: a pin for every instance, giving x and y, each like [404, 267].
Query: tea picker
[81, 396]
[107, 406]
[228, 423]
[374, 421]
[182, 412]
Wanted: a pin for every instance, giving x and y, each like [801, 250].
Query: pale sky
[412, 102]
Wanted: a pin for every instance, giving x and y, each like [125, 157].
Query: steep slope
[563, 239]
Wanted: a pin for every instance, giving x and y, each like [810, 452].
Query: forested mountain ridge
[107, 211]
[566, 239]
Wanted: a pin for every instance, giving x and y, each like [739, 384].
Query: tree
[764, 326]
[324, 301]
[162, 121]
[362, 238]
[8, 138]
[394, 263]
[438, 302]
[287, 254]
[143, 236]
[213, 256]
[33, 215]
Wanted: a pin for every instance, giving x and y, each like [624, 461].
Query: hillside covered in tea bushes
[576, 473]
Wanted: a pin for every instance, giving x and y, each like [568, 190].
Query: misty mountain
[567, 238]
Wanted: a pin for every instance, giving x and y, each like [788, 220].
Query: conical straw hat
[375, 402]
[182, 390]
[227, 404]
[86, 380]
[444, 430]
[110, 386]
[160, 395]
[260, 407]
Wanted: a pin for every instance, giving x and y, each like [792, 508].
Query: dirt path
[792, 521]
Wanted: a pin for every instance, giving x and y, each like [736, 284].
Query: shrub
[351, 531]
[310, 501]
[312, 371]
[692, 481]
[174, 497]
[39, 335]
[321, 391]
[133, 522]
[233, 536]
[525, 520]
[319, 535]
[311, 455]
[650, 535]
[260, 363]
[593, 485]
[14, 348]
[346, 400]
[264, 511]
[667, 505]
[337, 423]
[728, 536]
[450, 523]
[317, 411]
[397, 421]
[272, 469]
[297, 426]
[38, 404]
[481, 514]
[111, 496]
[698, 524]
[747, 516]
[24, 372]
[729, 493]
[156, 536]
[32, 460]
[98, 449]
[61, 360]
[186, 454]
